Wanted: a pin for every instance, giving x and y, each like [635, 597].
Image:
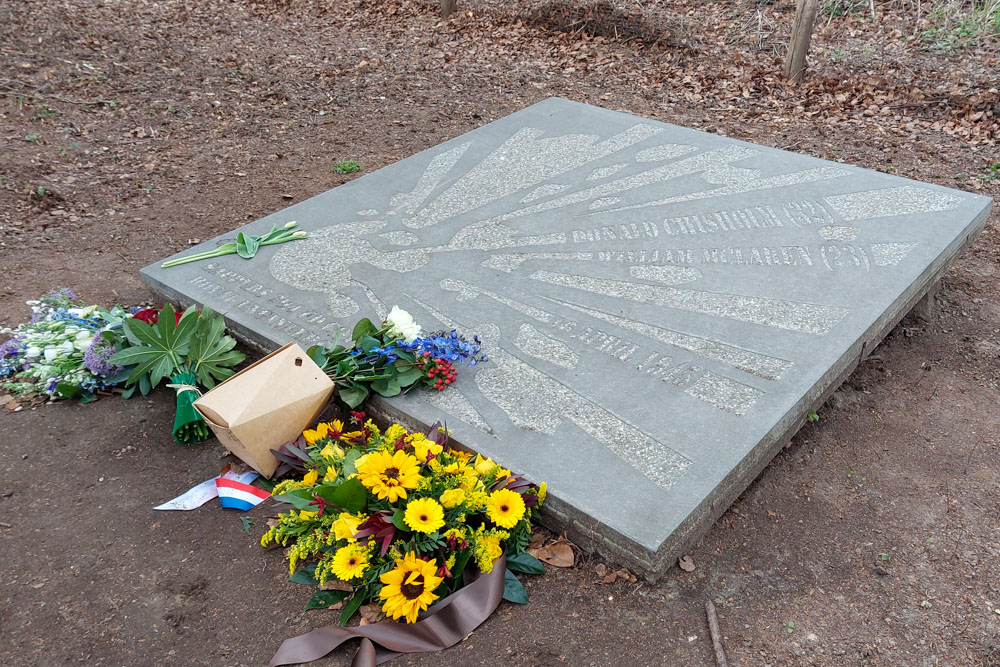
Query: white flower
[32, 352]
[51, 353]
[401, 324]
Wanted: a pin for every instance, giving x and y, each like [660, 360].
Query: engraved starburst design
[626, 247]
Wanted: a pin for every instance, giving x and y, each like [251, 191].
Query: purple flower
[10, 347]
[97, 355]
[63, 293]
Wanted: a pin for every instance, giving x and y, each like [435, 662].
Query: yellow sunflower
[389, 475]
[409, 588]
[424, 515]
[350, 562]
[313, 436]
[505, 508]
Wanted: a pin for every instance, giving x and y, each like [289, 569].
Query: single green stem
[218, 252]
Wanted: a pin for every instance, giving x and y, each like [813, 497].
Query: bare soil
[131, 129]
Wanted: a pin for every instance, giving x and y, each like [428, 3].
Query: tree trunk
[447, 7]
[798, 45]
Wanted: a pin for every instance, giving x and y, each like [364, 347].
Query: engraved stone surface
[662, 307]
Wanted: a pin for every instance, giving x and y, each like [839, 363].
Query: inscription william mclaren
[661, 306]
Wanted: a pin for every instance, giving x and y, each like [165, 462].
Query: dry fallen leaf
[370, 613]
[601, 569]
[610, 579]
[558, 553]
[686, 563]
[335, 585]
[13, 405]
[626, 575]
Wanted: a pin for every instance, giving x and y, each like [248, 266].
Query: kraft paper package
[266, 405]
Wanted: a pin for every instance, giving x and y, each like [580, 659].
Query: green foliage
[992, 173]
[324, 599]
[525, 562]
[346, 167]
[195, 344]
[513, 589]
[361, 369]
[813, 417]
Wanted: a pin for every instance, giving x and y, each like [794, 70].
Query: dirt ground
[132, 128]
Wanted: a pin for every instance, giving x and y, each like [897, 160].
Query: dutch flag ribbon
[239, 496]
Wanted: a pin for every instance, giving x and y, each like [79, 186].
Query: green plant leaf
[525, 562]
[408, 376]
[325, 599]
[349, 496]
[348, 463]
[68, 390]
[513, 590]
[300, 499]
[353, 395]
[306, 575]
[351, 607]
[318, 354]
[397, 520]
[247, 245]
[362, 328]
[368, 343]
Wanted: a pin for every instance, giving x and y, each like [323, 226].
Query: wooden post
[798, 45]
[447, 7]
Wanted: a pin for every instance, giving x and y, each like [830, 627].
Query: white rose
[401, 324]
[51, 353]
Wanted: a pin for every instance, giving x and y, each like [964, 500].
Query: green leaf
[68, 390]
[513, 590]
[525, 562]
[87, 397]
[300, 499]
[348, 463]
[397, 520]
[362, 328]
[247, 245]
[367, 343]
[318, 354]
[351, 607]
[460, 562]
[353, 395]
[349, 496]
[407, 377]
[247, 523]
[306, 575]
[325, 599]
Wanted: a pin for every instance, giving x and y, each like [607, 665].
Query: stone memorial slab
[662, 307]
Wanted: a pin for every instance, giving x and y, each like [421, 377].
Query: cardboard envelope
[266, 405]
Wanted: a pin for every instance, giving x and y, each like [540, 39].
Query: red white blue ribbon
[239, 496]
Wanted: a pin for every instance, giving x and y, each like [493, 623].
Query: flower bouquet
[395, 358]
[189, 348]
[397, 517]
[64, 351]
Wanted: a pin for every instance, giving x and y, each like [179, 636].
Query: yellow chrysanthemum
[309, 479]
[424, 515]
[464, 457]
[505, 508]
[313, 436]
[388, 476]
[408, 589]
[332, 452]
[350, 562]
[543, 490]
[452, 498]
[346, 525]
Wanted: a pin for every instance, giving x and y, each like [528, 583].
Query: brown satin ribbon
[441, 626]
